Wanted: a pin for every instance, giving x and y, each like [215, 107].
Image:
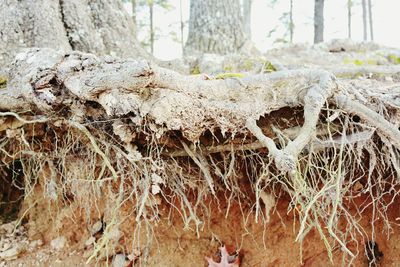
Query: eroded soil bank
[259, 244]
[123, 162]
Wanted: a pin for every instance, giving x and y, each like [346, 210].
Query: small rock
[35, 243]
[114, 234]
[358, 186]
[119, 261]
[12, 253]
[8, 228]
[58, 243]
[90, 241]
[97, 226]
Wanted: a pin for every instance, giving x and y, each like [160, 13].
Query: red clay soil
[272, 244]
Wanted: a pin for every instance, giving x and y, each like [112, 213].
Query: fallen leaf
[226, 259]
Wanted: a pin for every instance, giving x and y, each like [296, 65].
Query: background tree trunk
[291, 24]
[151, 13]
[30, 23]
[371, 27]
[182, 26]
[215, 26]
[364, 16]
[100, 27]
[247, 17]
[318, 21]
[349, 6]
[133, 3]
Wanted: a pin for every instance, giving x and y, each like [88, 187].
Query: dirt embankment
[124, 162]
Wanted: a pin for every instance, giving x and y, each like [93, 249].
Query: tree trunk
[30, 23]
[133, 3]
[151, 11]
[247, 17]
[291, 24]
[182, 25]
[371, 27]
[318, 21]
[215, 26]
[102, 27]
[364, 17]
[349, 6]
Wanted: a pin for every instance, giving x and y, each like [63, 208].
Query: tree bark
[349, 6]
[151, 11]
[371, 27]
[318, 21]
[133, 3]
[247, 17]
[364, 17]
[30, 23]
[102, 27]
[215, 26]
[182, 25]
[291, 23]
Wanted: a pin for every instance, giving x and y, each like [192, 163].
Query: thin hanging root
[95, 146]
[202, 163]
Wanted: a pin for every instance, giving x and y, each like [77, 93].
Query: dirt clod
[119, 261]
[59, 243]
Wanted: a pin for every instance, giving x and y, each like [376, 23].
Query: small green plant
[228, 68]
[393, 59]
[223, 76]
[3, 82]
[248, 65]
[358, 62]
[268, 67]
[195, 70]
[347, 61]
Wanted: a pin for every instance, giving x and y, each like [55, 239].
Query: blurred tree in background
[215, 26]
[286, 24]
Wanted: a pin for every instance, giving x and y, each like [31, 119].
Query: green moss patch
[3, 82]
[228, 75]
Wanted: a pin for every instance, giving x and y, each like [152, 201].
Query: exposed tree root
[131, 133]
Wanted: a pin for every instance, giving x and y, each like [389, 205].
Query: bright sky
[386, 19]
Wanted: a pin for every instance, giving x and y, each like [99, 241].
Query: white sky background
[386, 19]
